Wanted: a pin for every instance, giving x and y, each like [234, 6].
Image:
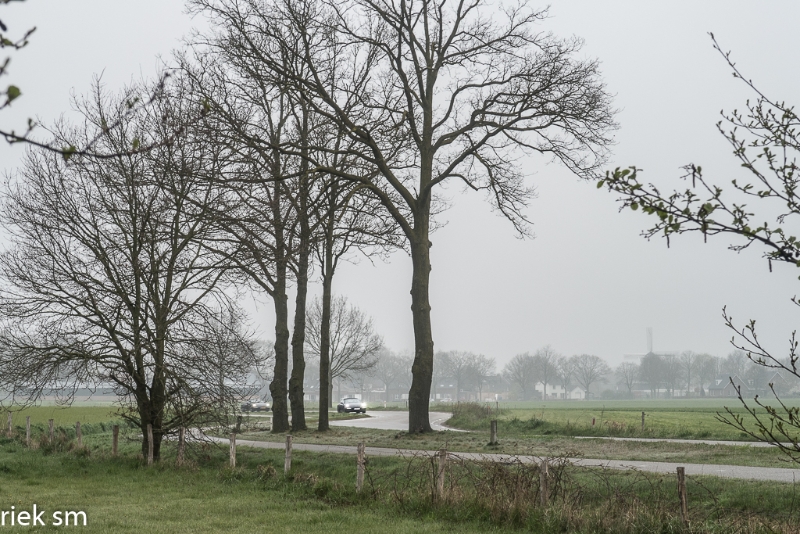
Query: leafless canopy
[109, 278]
[354, 344]
[427, 93]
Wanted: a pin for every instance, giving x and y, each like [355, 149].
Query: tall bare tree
[565, 371]
[545, 361]
[589, 369]
[391, 369]
[627, 374]
[109, 277]
[443, 91]
[354, 346]
[350, 220]
[268, 202]
[521, 372]
[482, 368]
[688, 362]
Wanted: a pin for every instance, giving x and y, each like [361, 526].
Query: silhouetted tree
[445, 92]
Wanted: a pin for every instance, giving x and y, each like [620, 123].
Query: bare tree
[589, 369]
[671, 369]
[109, 277]
[565, 371]
[225, 352]
[521, 372]
[460, 366]
[482, 367]
[708, 367]
[545, 361]
[354, 346]
[627, 374]
[390, 369]
[500, 88]
[266, 203]
[735, 364]
[350, 220]
[688, 362]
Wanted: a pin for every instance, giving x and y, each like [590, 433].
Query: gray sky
[588, 282]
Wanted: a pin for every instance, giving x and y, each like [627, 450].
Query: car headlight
[363, 404]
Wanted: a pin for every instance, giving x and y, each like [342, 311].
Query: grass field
[679, 419]
[121, 495]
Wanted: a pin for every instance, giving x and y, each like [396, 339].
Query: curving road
[390, 420]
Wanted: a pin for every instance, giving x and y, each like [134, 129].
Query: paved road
[689, 441]
[726, 471]
[389, 420]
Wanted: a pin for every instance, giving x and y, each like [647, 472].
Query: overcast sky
[588, 283]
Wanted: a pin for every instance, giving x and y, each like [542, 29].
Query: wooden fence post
[10, 418]
[238, 423]
[287, 463]
[682, 495]
[544, 486]
[440, 472]
[360, 462]
[642, 421]
[78, 435]
[181, 444]
[149, 444]
[493, 433]
[115, 439]
[50, 422]
[28, 430]
[233, 450]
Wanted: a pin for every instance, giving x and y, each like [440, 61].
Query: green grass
[678, 419]
[62, 416]
[121, 495]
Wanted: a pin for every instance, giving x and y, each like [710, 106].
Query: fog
[588, 283]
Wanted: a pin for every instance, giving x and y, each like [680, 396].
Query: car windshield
[351, 401]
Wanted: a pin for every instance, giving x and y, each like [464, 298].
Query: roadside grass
[478, 442]
[121, 495]
[62, 415]
[673, 419]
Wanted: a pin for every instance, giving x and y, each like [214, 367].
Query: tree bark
[325, 382]
[277, 388]
[298, 343]
[422, 369]
[325, 386]
[299, 334]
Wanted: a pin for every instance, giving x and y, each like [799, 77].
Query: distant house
[727, 387]
[722, 386]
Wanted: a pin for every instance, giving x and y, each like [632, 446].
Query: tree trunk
[422, 369]
[277, 388]
[325, 388]
[325, 385]
[298, 343]
[299, 334]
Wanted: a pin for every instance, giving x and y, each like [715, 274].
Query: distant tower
[649, 339]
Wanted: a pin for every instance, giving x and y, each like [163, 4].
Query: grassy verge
[677, 419]
[120, 495]
[538, 446]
